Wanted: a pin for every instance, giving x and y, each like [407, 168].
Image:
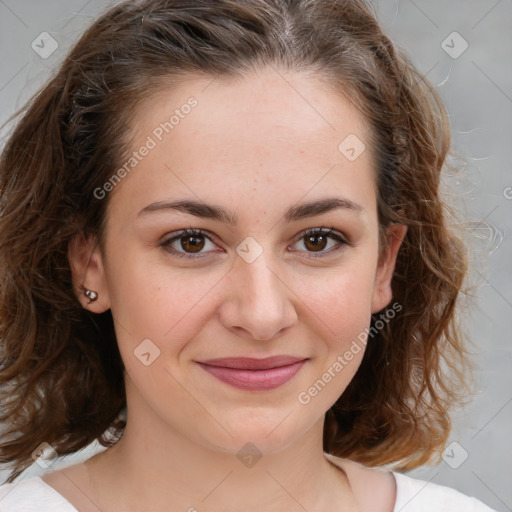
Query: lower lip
[255, 380]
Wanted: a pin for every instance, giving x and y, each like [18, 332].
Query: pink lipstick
[254, 374]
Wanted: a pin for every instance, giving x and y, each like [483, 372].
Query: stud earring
[91, 295]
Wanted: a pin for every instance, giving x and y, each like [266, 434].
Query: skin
[257, 146]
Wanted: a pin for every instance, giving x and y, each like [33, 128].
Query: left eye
[316, 240]
[189, 243]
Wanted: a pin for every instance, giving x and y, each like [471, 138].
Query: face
[283, 259]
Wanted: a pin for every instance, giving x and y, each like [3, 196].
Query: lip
[254, 374]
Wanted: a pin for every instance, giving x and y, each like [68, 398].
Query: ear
[382, 293]
[86, 262]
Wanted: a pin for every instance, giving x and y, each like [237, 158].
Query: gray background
[476, 87]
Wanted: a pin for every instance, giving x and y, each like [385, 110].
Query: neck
[153, 467]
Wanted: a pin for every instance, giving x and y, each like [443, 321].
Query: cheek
[338, 307]
[339, 312]
[166, 306]
[340, 300]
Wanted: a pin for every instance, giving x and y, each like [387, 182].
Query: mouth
[254, 374]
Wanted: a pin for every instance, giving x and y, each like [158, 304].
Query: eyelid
[176, 235]
[323, 231]
[339, 237]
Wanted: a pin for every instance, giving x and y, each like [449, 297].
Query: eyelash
[309, 232]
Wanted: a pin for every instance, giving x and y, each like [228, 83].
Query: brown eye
[316, 242]
[188, 243]
[318, 239]
[192, 243]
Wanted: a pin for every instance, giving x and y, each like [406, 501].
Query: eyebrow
[218, 213]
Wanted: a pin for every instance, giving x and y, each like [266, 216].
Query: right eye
[187, 243]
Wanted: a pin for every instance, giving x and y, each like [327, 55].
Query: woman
[224, 256]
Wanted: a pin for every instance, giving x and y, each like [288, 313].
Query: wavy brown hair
[61, 374]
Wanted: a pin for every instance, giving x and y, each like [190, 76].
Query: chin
[265, 432]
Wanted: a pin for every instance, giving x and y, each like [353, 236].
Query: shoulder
[419, 495]
[32, 495]
[401, 493]
[362, 478]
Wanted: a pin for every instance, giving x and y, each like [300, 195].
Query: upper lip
[249, 363]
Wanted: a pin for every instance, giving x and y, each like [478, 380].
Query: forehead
[286, 130]
[298, 106]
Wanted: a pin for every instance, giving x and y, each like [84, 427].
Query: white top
[35, 495]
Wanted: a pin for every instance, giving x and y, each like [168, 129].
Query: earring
[91, 295]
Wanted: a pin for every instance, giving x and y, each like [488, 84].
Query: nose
[259, 303]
